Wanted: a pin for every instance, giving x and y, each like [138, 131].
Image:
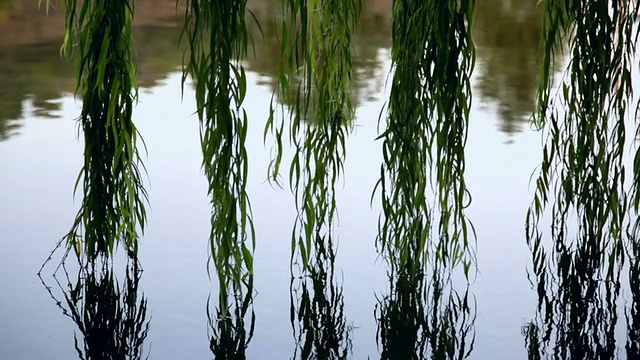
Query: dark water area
[171, 310]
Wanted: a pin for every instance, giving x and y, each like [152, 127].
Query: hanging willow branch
[98, 36]
[217, 37]
[423, 144]
[424, 233]
[581, 186]
[315, 77]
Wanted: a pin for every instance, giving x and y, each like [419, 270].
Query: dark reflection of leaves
[577, 310]
[317, 310]
[111, 317]
[507, 37]
[232, 324]
[424, 317]
[532, 340]
[633, 311]
[47, 109]
[575, 227]
[8, 128]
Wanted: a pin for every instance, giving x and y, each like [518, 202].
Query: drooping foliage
[425, 135]
[315, 77]
[217, 37]
[579, 227]
[578, 223]
[424, 234]
[316, 80]
[98, 37]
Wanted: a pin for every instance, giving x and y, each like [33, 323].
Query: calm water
[40, 156]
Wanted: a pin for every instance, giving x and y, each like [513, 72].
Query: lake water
[40, 156]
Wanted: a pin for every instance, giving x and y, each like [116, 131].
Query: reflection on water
[232, 323]
[317, 310]
[424, 317]
[424, 235]
[632, 346]
[506, 34]
[577, 306]
[111, 318]
[507, 37]
[372, 35]
[32, 69]
[321, 78]
[421, 314]
[43, 78]
[576, 226]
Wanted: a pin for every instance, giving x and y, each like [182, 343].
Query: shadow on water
[111, 316]
[317, 310]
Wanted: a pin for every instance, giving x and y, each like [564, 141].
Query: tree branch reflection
[424, 316]
[230, 337]
[111, 317]
[317, 309]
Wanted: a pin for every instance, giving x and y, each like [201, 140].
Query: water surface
[40, 156]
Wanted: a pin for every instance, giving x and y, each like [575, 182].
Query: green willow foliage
[581, 188]
[424, 234]
[423, 240]
[423, 144]
[315, 76]
[98, 36]
[217, 36]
